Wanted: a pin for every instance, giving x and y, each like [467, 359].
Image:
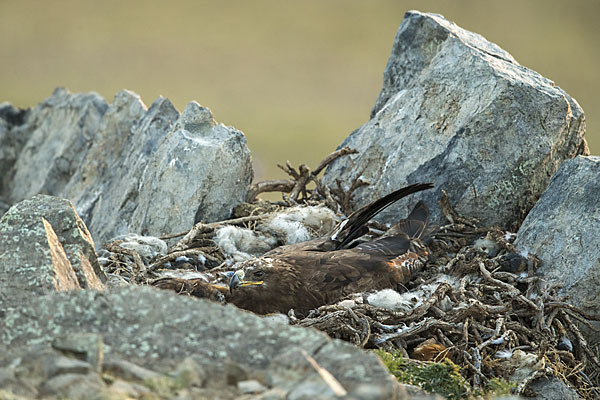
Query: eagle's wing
[334, 274]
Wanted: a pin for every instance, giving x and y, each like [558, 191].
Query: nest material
[499, 321]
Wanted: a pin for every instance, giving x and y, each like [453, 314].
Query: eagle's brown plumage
[307, 275]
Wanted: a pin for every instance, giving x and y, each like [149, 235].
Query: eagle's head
[264, 286]
[252, 273]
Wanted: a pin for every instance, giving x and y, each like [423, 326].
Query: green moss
[499, 387]
[442, 378]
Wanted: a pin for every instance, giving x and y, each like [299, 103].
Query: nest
[484, 323]
[492, 316]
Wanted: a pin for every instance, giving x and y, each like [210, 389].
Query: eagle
[322, 271]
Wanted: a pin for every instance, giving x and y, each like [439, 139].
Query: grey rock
[271, 394]
[292, 372]
[32, 258]
[562, 230]
[35, 365]
[127, 168]
[128, 370]
[156, 329]
[74, 237]
[202, 167]
[88, 347]
[190, 373]
[551, 388]
[128, 389]
[251, 386]
[12, 141]
[65, 365]
[6, 395]
[416, 393]
[75, 386]
[62, 126]
[460, 112]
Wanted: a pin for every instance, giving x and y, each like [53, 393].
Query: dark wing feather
[350, 229]
[388, 246]
[413, 226]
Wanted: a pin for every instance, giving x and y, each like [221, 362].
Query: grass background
[295, 77]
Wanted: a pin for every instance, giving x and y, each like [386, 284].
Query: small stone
[271, 394]
[75, 386]
[189, 373]
[88, 347]
[128, 370]
[235, 373]
[64, 365]
[251, 386]
[131, 389]
[5, 395]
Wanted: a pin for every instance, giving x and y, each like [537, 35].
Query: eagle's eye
[258, 273]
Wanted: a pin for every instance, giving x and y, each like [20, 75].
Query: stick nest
[491, 315]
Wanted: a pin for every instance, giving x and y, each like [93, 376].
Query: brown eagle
[307, 275]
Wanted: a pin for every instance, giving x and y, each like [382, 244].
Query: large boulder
[45, 247]
[459, 111]
[157, 330]
[562, 230]
[128, 168]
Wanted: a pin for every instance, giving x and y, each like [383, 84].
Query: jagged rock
[156, 330]
[45, 247]
[459, 111]
[12, 140]
[87, 347]
[551, 388]
[75, 386]
[562, 230]
[128, 168]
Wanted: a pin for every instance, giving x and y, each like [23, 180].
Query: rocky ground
[98, 200]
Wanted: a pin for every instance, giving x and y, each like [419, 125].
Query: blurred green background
[295, 77]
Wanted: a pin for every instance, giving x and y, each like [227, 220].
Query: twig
[172, 256]
[284, 186]
[329, 379]
[333, 156]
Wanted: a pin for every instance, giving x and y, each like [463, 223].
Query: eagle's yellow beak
[237, 280]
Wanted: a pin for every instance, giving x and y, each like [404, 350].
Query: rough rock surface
[459, 111]
[44, 247]
[562, 230]
[551, 388]
[127, 168]
[12, 140]
[156, 330]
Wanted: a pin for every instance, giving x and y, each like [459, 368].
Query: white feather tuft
[242, 244]
[147, 247]
[299, 224]
[391, 300]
